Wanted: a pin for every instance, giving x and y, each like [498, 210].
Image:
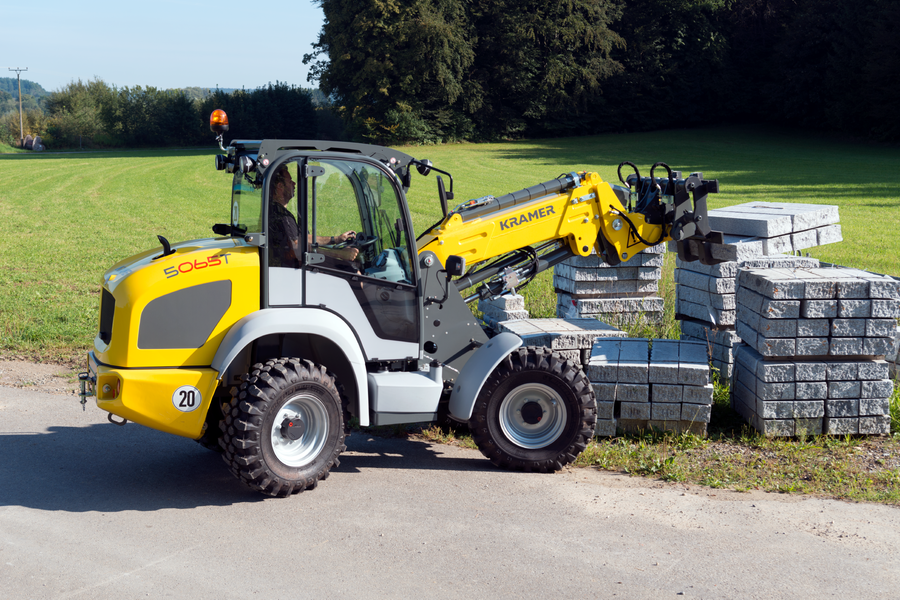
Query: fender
[297, 320]
[479, 366]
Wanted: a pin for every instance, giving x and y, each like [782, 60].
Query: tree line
[428, 71]
[95, 114]
[438, 70]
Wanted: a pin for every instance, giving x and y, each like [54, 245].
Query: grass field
[69, 217]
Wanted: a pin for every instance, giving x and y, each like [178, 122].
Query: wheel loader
[320, 304]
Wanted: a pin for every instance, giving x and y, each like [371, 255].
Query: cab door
[370, 281]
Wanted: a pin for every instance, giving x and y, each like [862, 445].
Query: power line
[21, 126]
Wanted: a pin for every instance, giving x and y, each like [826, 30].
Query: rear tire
[536, 412]
[283, 430]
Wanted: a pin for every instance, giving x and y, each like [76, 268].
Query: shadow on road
[108, 469]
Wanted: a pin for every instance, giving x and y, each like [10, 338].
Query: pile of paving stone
[705, 302]
[587, 287]
[572, 338]
[756, 236]
[508, 307]
[814, 344]
[665, 386]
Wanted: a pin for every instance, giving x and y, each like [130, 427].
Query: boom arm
[574, 215]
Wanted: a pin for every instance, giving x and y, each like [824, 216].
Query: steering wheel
[360, 240]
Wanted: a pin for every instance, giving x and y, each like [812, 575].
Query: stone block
[775, 409]
[874, 369]
[631, 392]
[844, 389]
[875, 425]
[632, 372]
[883, 328]
[874, 406]
[704, 312]
[810, 390]
[506, 302]
[876, 346]
[634, 350]
[775, 391]
[848, 327]
[696, 412]
[746, 223]
[605, 428]
[846, 407]
[604, 392]
[663, 373]
[665, 411]
[775, 427]
[842, 371]
[665, 393]
[606, 410]
[882, 388]
[829, 234]
[813, 327]
[601, 372]
[845, 346]
[818, 309]
[809, 409]
[693, 374]
[854, 309]
[811, 371]
[812, 346]
[696, 394]
[776, 284]
[841, 426]
[634, 411]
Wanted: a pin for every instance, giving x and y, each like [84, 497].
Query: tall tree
[538, 64]
[395, 69]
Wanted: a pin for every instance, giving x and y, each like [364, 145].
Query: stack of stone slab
[791, 397]
[587, 287]
[826, 333]
[508, 307]
[572, 338]
[705, 302]
[639, 387]
[768, 228]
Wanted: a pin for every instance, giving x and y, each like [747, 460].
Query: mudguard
[472, 377]
[297, 320]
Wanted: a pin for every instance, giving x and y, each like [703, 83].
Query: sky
[163, 44]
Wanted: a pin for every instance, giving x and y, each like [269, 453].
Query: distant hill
[29, 88]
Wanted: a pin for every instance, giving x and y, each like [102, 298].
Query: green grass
[68, 217]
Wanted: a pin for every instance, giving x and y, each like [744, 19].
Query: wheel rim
[522, 406]
[311, 411]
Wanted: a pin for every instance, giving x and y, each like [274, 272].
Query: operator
[285, 234]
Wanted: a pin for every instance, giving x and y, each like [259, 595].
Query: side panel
[285, 286]
[335, 294]
[471, 379]
[275, 321]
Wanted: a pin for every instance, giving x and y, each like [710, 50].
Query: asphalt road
[91, 510]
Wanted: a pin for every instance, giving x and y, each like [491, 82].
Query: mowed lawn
[69, 217]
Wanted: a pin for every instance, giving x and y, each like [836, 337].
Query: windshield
[246, 205]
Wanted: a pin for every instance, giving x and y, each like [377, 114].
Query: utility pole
[21, 126]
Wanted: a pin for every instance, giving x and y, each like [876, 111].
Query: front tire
[536, 412]
[283, 430]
